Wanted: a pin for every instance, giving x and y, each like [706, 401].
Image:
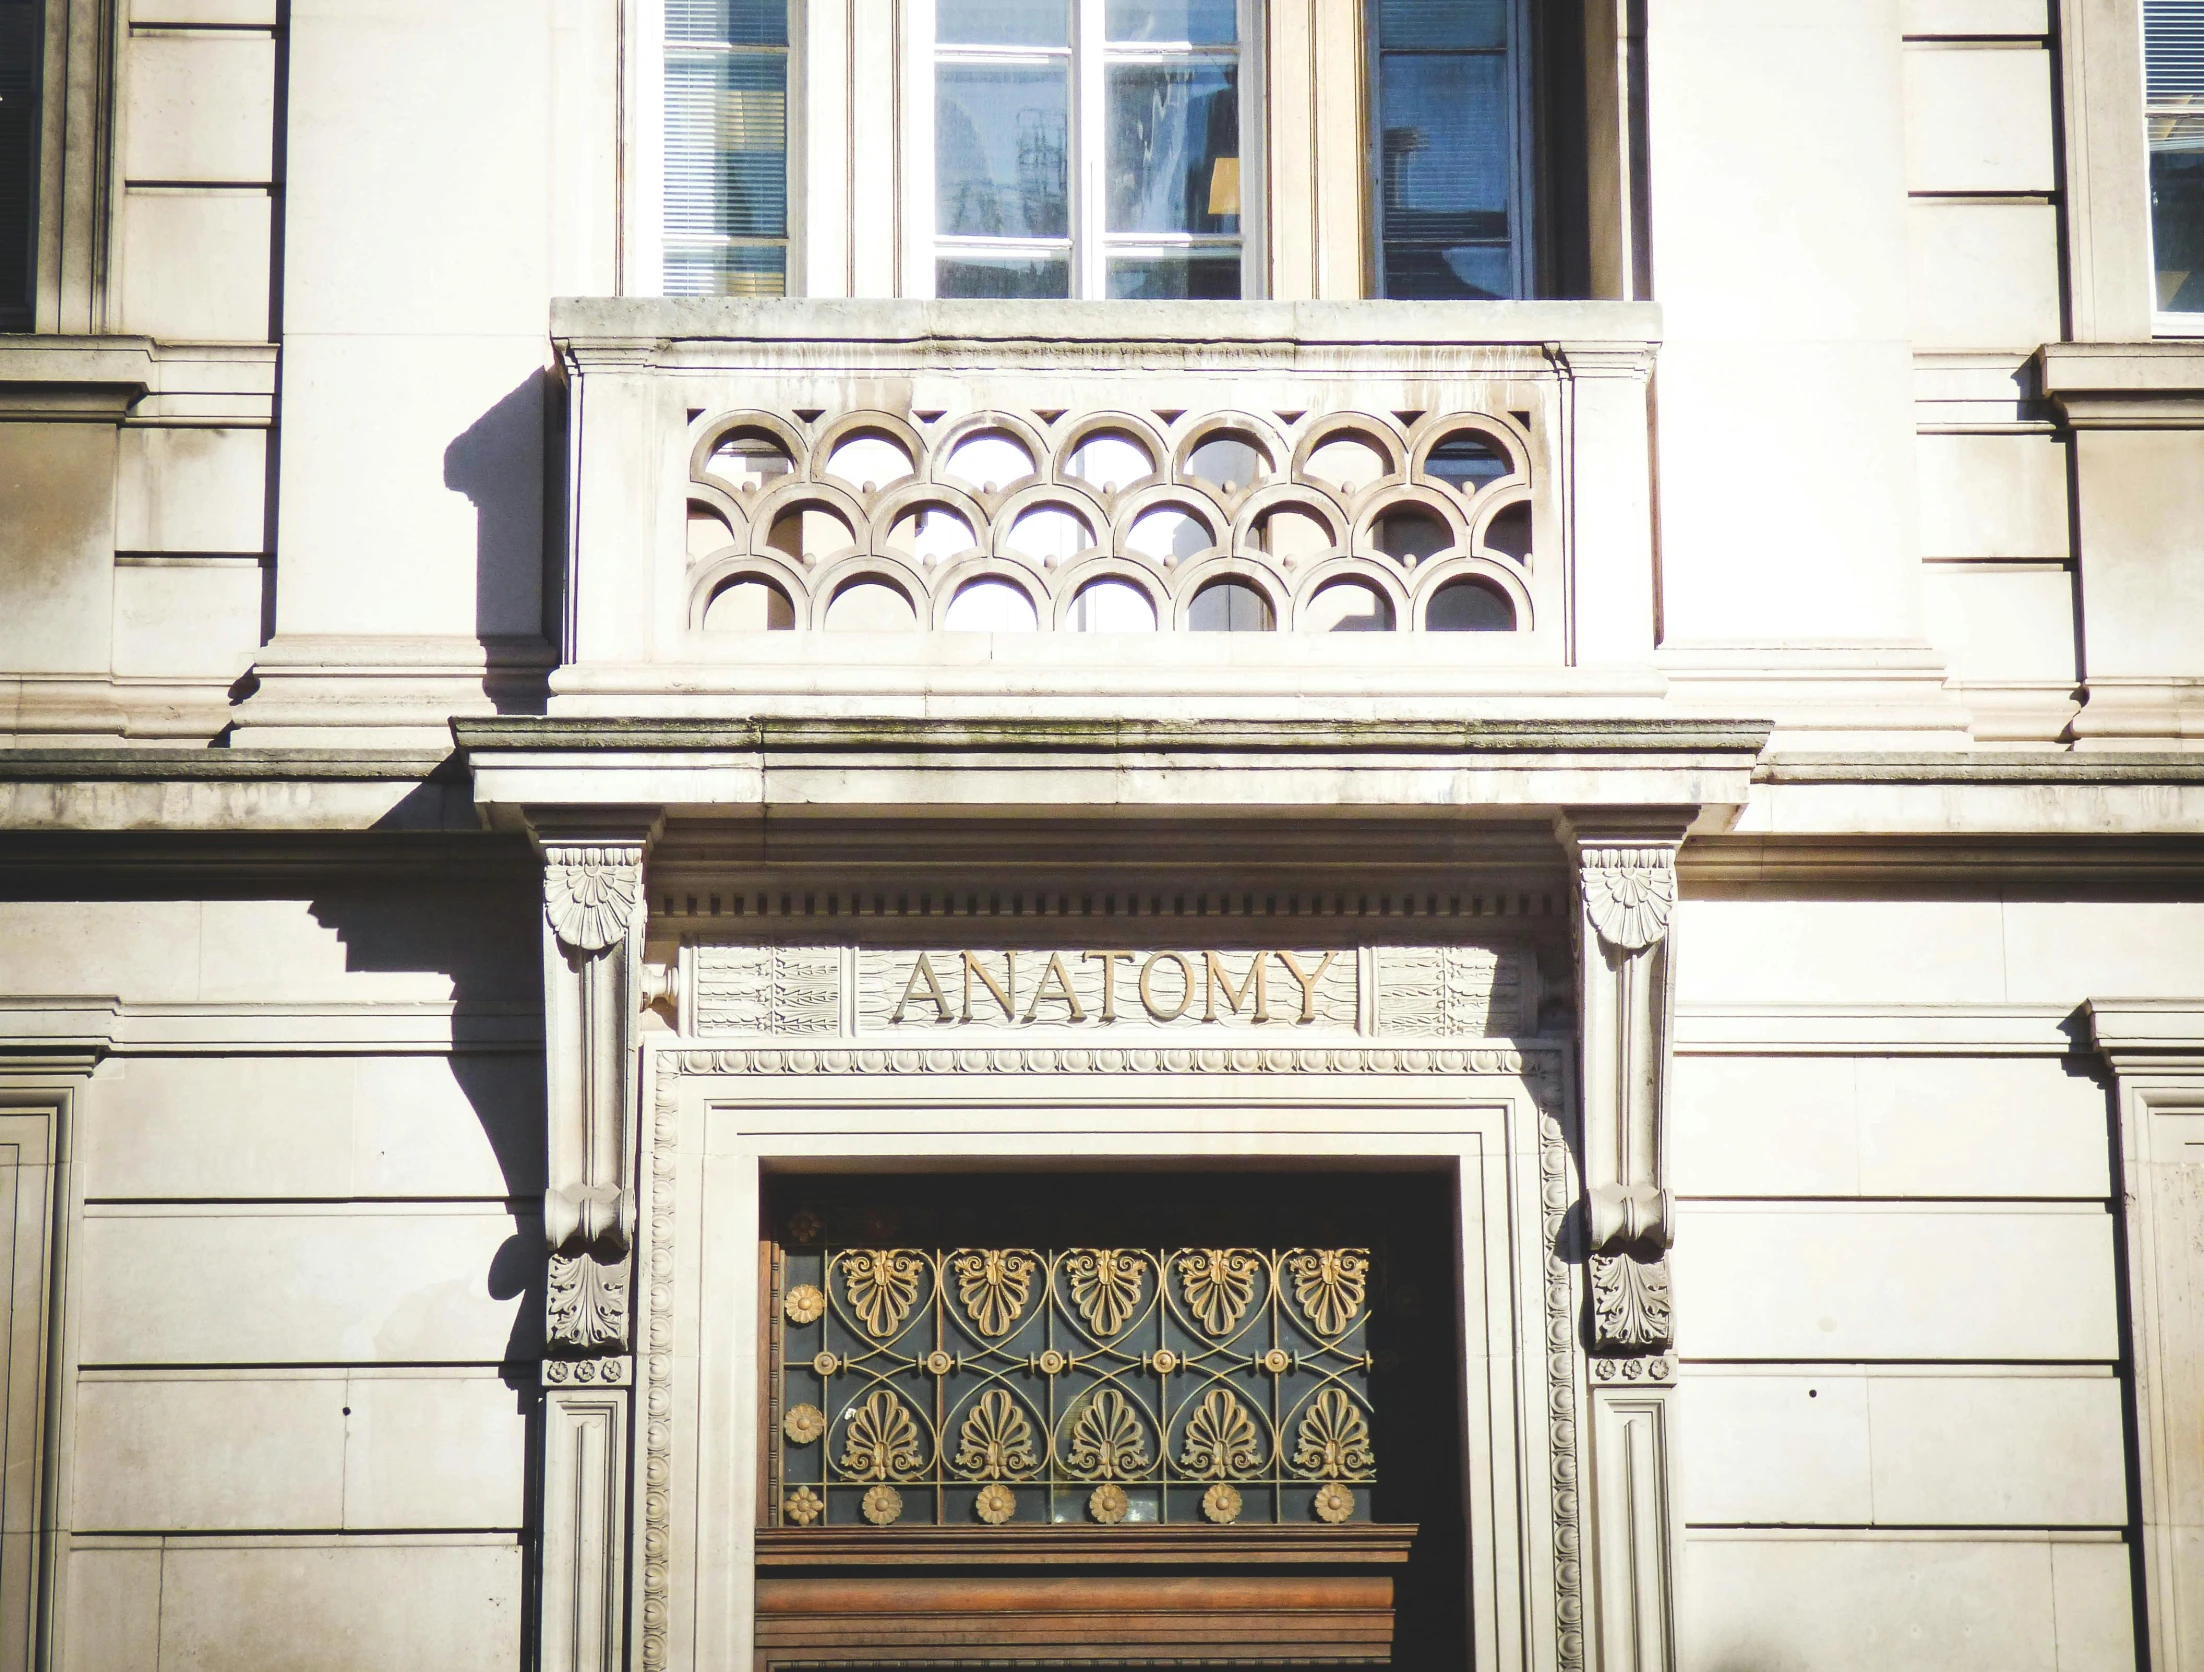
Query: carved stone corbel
[593, 920]
[1626, 873]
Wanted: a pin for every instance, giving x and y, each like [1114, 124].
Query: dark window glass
[22, 28]
[1466, 462]
[1469, 607]
[2173, 59]
[1445, 149]
[1176, 277]
[1230, 607]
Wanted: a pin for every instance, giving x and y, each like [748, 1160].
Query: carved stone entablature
[1427, 517]
[1629, 894]
[1266, 995]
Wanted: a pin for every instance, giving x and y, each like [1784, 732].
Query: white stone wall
[302, 1308]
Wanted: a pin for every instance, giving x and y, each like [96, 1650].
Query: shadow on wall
[468, 910]
[510, 465]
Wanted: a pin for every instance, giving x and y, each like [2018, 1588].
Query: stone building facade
[666, 1001]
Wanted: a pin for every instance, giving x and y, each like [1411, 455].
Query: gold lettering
[1009, 1000]
[1308, 982]
[1186, 990]
[1219, 976]
[1109, 979]
[1062, 978]
[923, 972]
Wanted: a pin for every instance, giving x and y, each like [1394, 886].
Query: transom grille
[1016, 1385]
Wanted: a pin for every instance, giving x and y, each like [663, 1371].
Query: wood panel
[1160, 1596]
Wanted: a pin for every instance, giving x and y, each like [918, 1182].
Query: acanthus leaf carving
[1629, 894]
[591, 893]
[588, 1301]
[1630, 1301]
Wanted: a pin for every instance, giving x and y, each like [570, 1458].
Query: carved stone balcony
[804, 505]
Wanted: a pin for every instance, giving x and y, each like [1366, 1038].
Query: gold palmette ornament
[996, 1439]
[1222, 1439]
[1107, 1440]
[1218, 1284]
[882, 1284]
[1333, 1441]
[1330, 1283]
[882, 1440]
[1105, 1286]
[992, 1285]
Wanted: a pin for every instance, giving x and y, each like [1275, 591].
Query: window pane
[728, 22]
[726, 145]
[1447, 272]
[726, 270]
[1174, 138]
[1000, 161]
[1002, 22]
[1003, 276]
[1202, 22]
[1444, 156]
[2173, 59]
[1198, 276]
[1442, 23]
[2177, 209]
[21, 30]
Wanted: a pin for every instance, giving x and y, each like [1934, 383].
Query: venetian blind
[725, 214]
[1445, 148]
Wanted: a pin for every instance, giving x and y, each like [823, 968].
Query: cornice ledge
[57, 1033]
[2144, 1033]
[124, 765]
[2098, 766]
[54, 379]
[1741, 741]
[2125, 386]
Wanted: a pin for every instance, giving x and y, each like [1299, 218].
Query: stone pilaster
[593, 922]
[1626, 893]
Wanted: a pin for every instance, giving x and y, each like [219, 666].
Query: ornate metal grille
[1014, 1385]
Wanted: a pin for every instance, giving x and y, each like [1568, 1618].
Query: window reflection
[1174, 149]
[999, 151]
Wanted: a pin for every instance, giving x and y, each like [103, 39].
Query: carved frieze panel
[768, 989]
[919, 993]
[914, 990]
[1453, 991]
